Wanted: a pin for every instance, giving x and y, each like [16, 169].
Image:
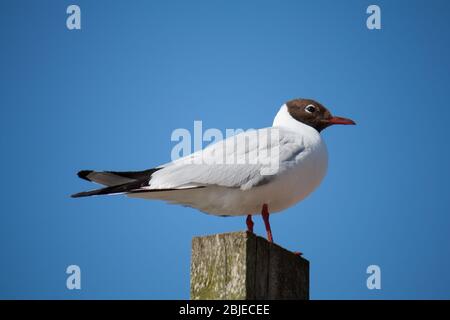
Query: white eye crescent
[310, 108]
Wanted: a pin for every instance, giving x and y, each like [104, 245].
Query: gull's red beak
[340, 120]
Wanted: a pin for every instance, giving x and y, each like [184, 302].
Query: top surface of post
[241, 265]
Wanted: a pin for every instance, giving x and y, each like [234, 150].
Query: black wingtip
[76, 195]
[83, 175]
[96, 192]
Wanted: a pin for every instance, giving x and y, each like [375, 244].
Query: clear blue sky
[110, 95]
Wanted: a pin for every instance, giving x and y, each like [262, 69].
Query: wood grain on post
[241, 265]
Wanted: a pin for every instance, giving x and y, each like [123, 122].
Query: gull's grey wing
[243, 161]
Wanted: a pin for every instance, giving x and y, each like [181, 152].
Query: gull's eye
[310, 108]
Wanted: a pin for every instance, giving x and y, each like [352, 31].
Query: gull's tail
[116, 182]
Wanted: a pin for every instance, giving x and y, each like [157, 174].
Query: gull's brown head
[314, 114]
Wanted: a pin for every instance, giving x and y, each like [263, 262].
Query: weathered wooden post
[241, 265]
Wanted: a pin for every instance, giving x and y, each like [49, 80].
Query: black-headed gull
[247, 174]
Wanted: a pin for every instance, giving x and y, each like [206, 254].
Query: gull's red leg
[265, 216]
[249, 223]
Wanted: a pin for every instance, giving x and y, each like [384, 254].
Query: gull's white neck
[283, 119]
